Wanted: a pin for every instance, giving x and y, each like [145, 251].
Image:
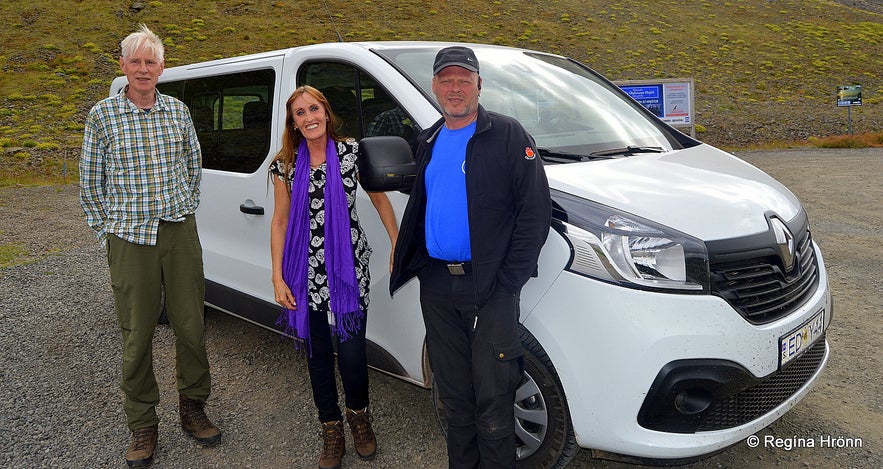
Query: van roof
[368, 45]
[120, 81]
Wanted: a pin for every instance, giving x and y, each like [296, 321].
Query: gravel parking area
[59, 349]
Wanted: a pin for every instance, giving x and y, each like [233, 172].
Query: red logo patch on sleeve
[529, 154]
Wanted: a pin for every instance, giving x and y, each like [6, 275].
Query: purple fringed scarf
[339, 256]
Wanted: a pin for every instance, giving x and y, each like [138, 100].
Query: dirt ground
[842, 191]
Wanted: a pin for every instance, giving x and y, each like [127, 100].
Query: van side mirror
[386, 163]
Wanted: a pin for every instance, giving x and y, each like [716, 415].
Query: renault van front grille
[757, 285]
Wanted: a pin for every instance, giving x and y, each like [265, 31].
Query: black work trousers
[352, 362]
[477, 365]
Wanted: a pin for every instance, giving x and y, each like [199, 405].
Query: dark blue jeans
[352, 362]
[476, 366]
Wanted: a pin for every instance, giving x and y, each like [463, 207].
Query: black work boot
[142, 446]
[333, 445]
[195, 423]
[363, 435]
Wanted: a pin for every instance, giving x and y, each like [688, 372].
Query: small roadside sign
[850, 95]
[669, 99]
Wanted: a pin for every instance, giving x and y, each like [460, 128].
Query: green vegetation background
[765, 71]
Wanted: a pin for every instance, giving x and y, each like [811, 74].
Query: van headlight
[619, 247]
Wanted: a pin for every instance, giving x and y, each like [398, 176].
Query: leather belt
[453, 267]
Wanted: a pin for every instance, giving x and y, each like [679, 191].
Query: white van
[681, 304]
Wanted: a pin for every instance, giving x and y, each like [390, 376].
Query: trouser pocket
[495, 385]
[507, 364]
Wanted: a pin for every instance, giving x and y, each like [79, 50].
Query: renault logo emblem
[784, 242]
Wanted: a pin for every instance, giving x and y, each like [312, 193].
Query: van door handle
[251, 209]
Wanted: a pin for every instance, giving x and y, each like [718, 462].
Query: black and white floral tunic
[317, 287]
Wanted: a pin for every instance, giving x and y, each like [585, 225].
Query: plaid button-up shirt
[138, 167]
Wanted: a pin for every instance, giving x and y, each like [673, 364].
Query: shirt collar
[125, 105]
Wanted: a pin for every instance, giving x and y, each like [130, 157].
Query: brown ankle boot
[142, 446]
[195, 423]
[363, 435]
[333, 445]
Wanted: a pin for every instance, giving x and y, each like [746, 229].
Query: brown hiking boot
[195, 423]
[142, 446]
[363, 435]
[332, 445]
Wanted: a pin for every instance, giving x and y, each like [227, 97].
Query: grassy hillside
[764, 70]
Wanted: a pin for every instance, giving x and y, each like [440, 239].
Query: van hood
[701, 191]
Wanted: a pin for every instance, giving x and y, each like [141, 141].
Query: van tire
[558, 445]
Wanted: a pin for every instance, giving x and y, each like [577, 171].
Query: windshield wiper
[629, 150]
[549, 154]
[558, 156]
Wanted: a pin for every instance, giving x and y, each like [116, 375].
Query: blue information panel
[650, 96]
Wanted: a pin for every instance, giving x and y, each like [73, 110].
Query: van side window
[366, 108]
[232, 115]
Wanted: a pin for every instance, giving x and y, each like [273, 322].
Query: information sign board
[669, 99]
[850, 95]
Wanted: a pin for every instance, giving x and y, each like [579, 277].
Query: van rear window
[232, 116]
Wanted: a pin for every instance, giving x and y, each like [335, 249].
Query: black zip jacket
[509, 205]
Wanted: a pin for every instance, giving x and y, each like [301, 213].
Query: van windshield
[572, 113]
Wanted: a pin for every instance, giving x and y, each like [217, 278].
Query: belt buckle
[456, 268]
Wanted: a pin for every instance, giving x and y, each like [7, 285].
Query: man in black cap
[478, 215]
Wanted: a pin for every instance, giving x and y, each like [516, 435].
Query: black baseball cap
[455, 55]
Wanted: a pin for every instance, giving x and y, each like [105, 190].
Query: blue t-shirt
[447, 217]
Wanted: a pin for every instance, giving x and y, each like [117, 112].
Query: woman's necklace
[316, 162]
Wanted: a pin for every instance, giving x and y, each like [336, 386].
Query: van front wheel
[543, 431]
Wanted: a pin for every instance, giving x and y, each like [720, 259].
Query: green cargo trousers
[137, 274]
